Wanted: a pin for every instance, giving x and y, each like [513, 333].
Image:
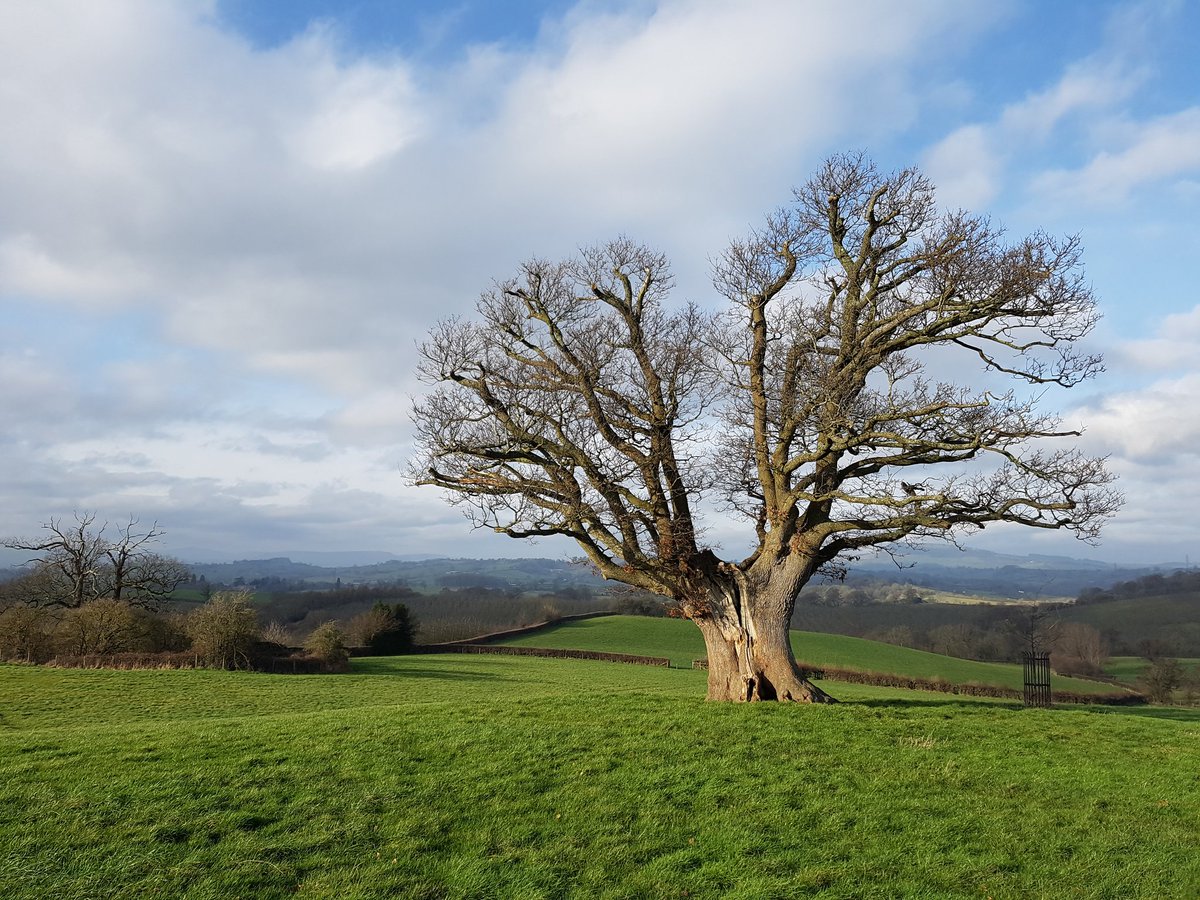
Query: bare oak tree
[78, 563]
[580, 405]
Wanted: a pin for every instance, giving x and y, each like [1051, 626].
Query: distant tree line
[861, 592]
[91, 592]
[224, 632]
[1157, 584]
[446, 615]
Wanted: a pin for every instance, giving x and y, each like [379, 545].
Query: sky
[225, 225]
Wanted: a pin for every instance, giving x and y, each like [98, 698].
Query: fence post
[1037, 678]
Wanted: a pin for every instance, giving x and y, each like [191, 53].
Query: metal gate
[1037, 678]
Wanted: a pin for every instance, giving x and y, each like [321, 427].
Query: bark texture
[745, 619]
[749, 661]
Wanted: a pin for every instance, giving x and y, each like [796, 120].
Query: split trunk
[746, 632]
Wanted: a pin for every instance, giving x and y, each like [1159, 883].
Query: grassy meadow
[1128, 669]
[681, 642]
[513, 777]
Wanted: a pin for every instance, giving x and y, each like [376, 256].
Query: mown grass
[453, 776]
[681, 642]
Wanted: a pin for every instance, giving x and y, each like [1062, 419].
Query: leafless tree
[1079, 650]
[78, 563]
[1035, 628]
[68, 571]
[135, 574]
[578, 404]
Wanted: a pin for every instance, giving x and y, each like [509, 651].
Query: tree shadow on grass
[1170, 713]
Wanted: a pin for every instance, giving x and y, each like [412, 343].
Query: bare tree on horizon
[78, 563]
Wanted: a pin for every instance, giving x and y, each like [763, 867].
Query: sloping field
[501, 777]
[1173, 619]
[681, 642]
[1128, 669]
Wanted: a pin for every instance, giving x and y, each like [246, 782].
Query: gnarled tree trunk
[749, 651]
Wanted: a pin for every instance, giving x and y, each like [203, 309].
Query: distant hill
[973, 558]
[976, 572]
[424, 575]
[326, 558]
[1009, 576]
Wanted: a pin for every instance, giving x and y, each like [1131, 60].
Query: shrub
[1080, 650]
[366, 626]
[26, 634]
[328, 645]
[160, 632]
[101, 626]
[385, 629]
[223, 630]
[548, 611]
[1161, 679]
[276, 633]
[641, 605]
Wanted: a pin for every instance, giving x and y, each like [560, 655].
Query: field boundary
[940, 685]
[546, 652]
[523, 630]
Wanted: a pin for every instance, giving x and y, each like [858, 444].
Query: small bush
[26, 634]
[156, 632]
[224, 630]
[276, 633]
[1161, 680]
[385, 629]
[328, 645]
[641, 605]
[99, 627]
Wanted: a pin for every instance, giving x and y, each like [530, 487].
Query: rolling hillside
[1172, 620]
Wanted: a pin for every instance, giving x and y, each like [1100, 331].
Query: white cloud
[1158, 423]
[704, 97]
[1085, 105]
[965, 167]
[29, 268]
[1098, 83]
[1175, 346]
[307, 211]
[285, 224]
[360, 114]
[1160, 149]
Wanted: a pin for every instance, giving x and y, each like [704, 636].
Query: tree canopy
[813, 404]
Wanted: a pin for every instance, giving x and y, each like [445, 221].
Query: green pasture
[1128, 669]
[511, 777]
[681, 642]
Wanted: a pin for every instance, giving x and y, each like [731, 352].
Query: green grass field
[1127, 669]
[681, 642]
[464, 776]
